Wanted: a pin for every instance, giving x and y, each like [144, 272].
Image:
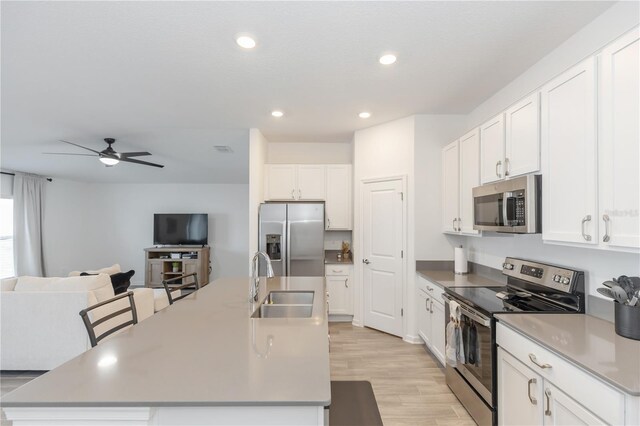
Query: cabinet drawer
[600, 398]
[337, 270]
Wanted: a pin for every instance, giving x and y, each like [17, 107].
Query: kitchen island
[203, 360]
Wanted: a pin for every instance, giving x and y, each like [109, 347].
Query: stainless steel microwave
[512, 206]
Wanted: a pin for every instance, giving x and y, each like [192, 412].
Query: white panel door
[619, 143]
[469, 178]
[522, 142]
[450, 187]
[424, 316]
[339, 300]
[281, 182]
[382, 228]
[569, 181]
[311, 182]
[492, 150]
[338, 201]
[437, 329]
[519, 392]
[562, 410]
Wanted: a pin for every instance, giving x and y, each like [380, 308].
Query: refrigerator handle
[288, 230]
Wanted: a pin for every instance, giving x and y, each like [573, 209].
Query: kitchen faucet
[254, 273]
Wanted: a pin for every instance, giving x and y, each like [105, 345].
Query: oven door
[477, 368]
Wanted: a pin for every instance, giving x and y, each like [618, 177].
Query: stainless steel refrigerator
[292, 234]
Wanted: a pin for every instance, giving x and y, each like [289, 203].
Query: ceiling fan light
[109, 161]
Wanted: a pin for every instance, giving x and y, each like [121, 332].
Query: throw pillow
[120, 281]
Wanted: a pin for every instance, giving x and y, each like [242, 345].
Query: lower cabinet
[431, 321]
[339, 280]
[538, 387]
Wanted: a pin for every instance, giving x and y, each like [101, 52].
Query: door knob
[366, 261]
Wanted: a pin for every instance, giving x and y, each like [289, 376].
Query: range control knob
[565, 280]
[556, 278]
[508, 266]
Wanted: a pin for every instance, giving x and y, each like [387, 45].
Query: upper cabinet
[619, 142]
[522, 137]
[331, 183]
[460, 174]
[338, 207]
[510, 142]
[295, 182]
[492, 150]
[569, 180]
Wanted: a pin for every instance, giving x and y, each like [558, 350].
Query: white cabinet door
[562, 410]
[338, 201]
[519, 392]
[281, 182]
[424, 316]
[437, 329]
[339, 300]
[569, 182]
[492, 150]
[619, 143]
[311, 182]
[450, 187]
[522, 142]
[469, 178]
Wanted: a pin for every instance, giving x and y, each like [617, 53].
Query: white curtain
[28, 214]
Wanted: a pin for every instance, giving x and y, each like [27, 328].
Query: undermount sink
[283, 311]
[289, 298]
[286, 304]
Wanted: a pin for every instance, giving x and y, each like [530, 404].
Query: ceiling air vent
[224, 149]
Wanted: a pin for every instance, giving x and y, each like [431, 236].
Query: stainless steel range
[531, 287]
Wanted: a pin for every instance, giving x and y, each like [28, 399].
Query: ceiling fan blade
[145, 163]
[68, 153]
[80, 146]
[134, 154]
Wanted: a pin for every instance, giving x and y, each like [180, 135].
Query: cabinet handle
[459, 224]
[329, 223]
[606, 237]
[429, 288]
[293, 197]
[498, 164]
[547, 394]
[426, 304]
[531, 398]
[346, 282]
[299, 194]
[431, 306]
[585, 219]
[507, 165]
[534, 360]
[453, 224]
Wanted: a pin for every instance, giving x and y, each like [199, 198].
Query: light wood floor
[408, 382]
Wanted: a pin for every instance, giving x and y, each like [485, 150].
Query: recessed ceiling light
[364, 114]
[246, 42]
[387, 59]
[277, 114]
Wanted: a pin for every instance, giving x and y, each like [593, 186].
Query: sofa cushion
[109, 270]
[120, 281]
[99, 285]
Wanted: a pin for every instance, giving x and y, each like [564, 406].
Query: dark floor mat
[353, 403]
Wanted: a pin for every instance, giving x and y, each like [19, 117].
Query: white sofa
[40, 325]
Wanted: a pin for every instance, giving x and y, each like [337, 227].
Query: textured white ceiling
[167, 77]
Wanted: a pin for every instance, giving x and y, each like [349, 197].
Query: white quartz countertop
[587, 341]
[204, 350]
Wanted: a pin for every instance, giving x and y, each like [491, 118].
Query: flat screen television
[180, 229]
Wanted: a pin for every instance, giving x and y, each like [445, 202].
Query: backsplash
[333, 239]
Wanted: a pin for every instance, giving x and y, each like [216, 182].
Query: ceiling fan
[109, 157]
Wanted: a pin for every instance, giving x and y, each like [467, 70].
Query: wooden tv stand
[159, 264]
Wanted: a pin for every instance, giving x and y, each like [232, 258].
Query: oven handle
[469, 312]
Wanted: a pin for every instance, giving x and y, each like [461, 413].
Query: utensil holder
[627, 321]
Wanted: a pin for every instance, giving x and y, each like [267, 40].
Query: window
[6, 238]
